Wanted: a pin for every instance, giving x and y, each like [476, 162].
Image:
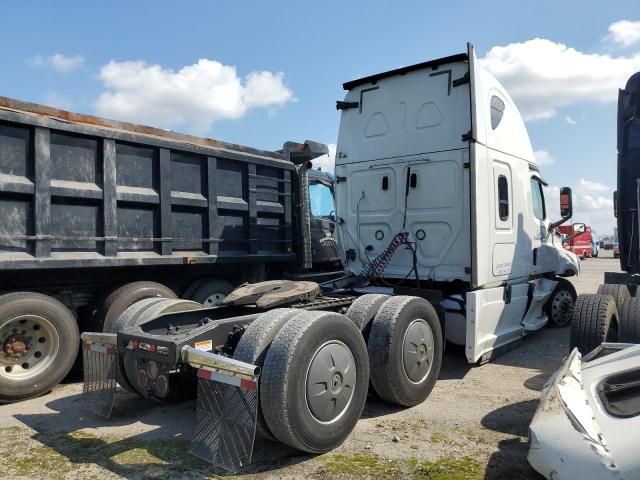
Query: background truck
[581, 244]
[613, 313]
[97, 214]
[441, 212]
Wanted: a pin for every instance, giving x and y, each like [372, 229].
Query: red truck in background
[581, 244]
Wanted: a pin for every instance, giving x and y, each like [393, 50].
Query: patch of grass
[58, 455]
[372, 466]
[449, 469]
[439, 437]
[362, 464]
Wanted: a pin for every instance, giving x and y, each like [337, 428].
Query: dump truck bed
[83, 191]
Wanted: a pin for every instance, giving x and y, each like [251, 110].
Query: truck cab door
[539, 223]
[324, 247]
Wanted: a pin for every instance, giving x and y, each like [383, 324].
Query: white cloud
[569, 120]
[58, 62]
[194, 96]
[592, 204]
[625, 32]
[592, 187]
[57, 100]
[326, 163]
[543, 158]
[544, 76]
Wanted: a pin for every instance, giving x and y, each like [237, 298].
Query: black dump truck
[613, 313]
[96, 215]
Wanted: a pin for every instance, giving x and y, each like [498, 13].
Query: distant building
[615, 234]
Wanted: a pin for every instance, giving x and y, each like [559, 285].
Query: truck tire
[315, 380]
[560, 305]
[211, 292]
[629, 328]
[188, 293]
[123, 297]
[129, 319]
[254, 344]
[405, 350]
[618, 291]
[48, 331]
[167, 305]
[594, 320]
[364, 309]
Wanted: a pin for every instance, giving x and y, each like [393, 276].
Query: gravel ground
[474, 425]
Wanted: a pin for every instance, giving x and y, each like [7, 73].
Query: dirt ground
[473, 426]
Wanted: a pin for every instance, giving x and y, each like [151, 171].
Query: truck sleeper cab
[445, 233]
[440, 151]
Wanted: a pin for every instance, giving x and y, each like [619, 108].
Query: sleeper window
[497, 110]
[503, 198]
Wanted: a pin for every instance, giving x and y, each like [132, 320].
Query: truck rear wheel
[123, 297]
[618, 291]
[560, 305]
[315, 380]
[405, 350]
[364, 309]
[594, 320]
[40, 342]
[211, 292]
[629, 330]
[254, 345]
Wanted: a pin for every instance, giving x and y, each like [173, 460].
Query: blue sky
[121, 59]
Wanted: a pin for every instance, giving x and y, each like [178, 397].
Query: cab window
[537, 200]
[321, 201]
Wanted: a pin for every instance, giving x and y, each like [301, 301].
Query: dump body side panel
[85, 195]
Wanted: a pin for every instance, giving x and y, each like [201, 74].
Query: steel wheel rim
[418, 351]
[330, 382]
[561, 308]
[214, 299]
[42, 345]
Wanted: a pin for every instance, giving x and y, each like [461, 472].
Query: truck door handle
[535, 256]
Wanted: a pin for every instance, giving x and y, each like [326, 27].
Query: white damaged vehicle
[587, 425]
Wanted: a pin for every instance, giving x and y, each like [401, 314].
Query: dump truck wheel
[315, 380]
[364, 309]
[123, 297]
[188, 293]
[594, 320]
[39, 340]
[134, 364]
[405, 350]
[129, 319]
[629, 329]
[211, 292]
[618, 291]
[254, 344]
[560, 305]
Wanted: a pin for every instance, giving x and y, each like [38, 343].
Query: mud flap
[226, 410]
[99, 361]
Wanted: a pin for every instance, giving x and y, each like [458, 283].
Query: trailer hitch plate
[226, 410]
[99, 356]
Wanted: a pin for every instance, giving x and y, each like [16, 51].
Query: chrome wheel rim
[30, 344]
[561, 308]
[330, 382]
[418, 351]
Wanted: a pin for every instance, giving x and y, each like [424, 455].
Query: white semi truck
[441, 215]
